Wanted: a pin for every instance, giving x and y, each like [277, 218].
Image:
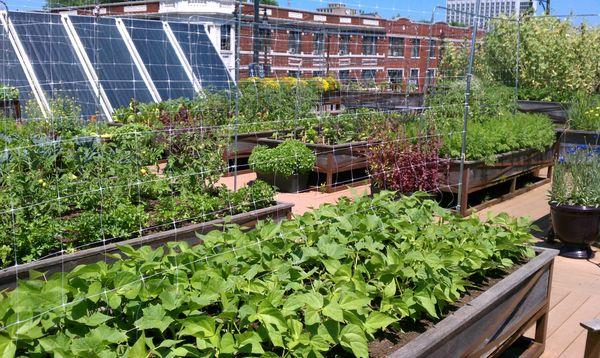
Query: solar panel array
[104, 63]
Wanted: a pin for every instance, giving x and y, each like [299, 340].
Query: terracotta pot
[577, 227]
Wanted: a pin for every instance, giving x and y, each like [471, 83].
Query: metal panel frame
[187, 67]
[88, 68]
[138, 60]
[21, 54]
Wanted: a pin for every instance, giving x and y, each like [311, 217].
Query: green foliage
[328, 280]
[494, 136]
[8, 93]
[576, 178]
[584, 113]
[65, 183]
[289, 158]
[557, 59]
[492, 128]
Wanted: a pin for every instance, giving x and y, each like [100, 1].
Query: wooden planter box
[555, 110]
[508, 166]
[334, 159]
[490, 323]
[67, 262]
[570, 137]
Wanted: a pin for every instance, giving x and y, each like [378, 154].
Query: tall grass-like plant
[576, 178]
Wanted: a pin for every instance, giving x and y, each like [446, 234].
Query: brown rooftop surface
[575, 286]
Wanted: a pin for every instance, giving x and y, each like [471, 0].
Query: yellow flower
[143, 171]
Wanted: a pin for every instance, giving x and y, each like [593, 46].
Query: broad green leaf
[138, 350]
[334, 311]
[377, 321]
[353, 338]
[154, 317]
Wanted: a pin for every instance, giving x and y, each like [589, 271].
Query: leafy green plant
[487, 139]
[584, 113]
[329, 280]
[576, 178]
[289, 158]
[8, 93]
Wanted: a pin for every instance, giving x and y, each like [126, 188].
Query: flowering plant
[584, 113]
[576, 178]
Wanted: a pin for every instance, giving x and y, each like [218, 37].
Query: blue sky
[414, 9]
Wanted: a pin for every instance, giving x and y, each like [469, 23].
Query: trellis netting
[150, 132]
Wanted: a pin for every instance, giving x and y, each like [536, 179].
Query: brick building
[335, 40]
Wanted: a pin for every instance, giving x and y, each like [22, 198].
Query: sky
[414, 9]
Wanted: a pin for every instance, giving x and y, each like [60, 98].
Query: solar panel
[202, 56]
[11, 71]
[53, 59]
[160, 58]
[111, 60]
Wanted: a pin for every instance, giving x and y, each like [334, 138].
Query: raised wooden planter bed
[508, 167]
[65, 263]
[245, 145]
[570, 137]
[555, 110]
[334, 159]
[490, 323]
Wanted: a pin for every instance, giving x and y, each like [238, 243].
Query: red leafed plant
[404, 162]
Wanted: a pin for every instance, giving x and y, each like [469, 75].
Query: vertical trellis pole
[518, 62]
[237, 93]
[463, 150]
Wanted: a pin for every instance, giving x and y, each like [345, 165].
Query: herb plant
[329, 280]
[576, 178]
[289, 158]
[8, 93]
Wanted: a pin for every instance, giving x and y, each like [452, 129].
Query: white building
[463, 11]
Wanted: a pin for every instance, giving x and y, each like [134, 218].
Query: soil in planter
[449, 200]
[391, 340]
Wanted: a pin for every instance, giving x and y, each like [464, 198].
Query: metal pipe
[518, 64]
[466, 113]
[237, 93]
[256, 35]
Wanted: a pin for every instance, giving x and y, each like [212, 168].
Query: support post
[256, 33]
[237, 92]
[463, 150]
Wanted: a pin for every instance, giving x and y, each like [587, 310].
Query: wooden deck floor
[575, 286]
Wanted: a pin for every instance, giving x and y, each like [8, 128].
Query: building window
[369, 45]
[344, 44]
[413, 80]
[396, 79]
[368, 76]
[294, 74]
[396, 47]
[294, 42]
[344, 76]
[226, 37]
[318, 74]
[431, 48]
[319, 43]
[265, 40]
[416, 45]
[430, 77]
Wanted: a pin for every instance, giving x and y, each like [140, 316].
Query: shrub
[289, 158]
[576, 178]
[405, 163]
[8, 93]
[584, 113]
[327, 281]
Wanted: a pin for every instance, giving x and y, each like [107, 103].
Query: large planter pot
[67, 262]
[577, 227]
[490, 323]
[286, 184]
[557, 111]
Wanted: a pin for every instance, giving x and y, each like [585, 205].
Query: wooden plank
[576, 348]
[558, 294]
[568, 332]
[564, 310]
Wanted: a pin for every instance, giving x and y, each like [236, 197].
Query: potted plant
[285, 166]
[575, 201]
[584, 123]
